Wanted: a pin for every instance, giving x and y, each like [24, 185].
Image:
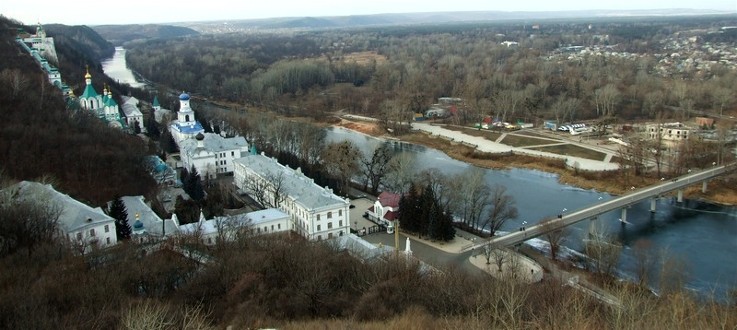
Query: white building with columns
[212, 154]
[315, 212]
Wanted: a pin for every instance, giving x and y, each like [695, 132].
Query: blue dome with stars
[184, 97]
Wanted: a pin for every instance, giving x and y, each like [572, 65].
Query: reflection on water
[702, 236]
[116, 68]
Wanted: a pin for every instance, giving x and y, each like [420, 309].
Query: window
[330, 215]
[330, 235]
[319, 237]
[278, 226]
[107, 228]
[340, 213]
[79, 236]
[330, 225]
[318, 217]
[272, 227]
[92, 232]
[340, 223]
[232, 153]
[107, 240]
[318, 227]
[266, 229]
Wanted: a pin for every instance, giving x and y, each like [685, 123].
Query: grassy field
[572, 150]
[489, 135]
[523, 141]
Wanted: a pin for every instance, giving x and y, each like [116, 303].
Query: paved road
[433, 256]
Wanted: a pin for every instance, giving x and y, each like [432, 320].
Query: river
[116, 68]
[701, 236]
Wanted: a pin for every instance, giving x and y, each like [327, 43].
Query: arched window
[186, 118]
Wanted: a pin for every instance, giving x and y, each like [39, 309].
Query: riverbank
[614, 182]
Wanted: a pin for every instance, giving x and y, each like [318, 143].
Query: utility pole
[396, 236]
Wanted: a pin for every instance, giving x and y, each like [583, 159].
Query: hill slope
[40, 137]
[119, 34]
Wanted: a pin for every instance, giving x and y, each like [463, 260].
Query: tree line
[415, 66]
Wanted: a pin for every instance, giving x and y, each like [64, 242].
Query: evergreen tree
[428, 213]
[408, 208]
[187, 210]
[118, 212]
[136, 127]
[167, 143]
[184, 178]
[446, 231]
[152, 127]
[203, 121]
[194, 185]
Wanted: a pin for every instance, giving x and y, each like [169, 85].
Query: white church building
[103, 106]
[186, 126]
[212, 154]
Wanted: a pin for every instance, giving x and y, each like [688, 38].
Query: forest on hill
[40, 136]
[630, 70]
[120, 34]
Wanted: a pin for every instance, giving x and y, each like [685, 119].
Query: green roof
[110, 102]
[89, 92]
[156, 101]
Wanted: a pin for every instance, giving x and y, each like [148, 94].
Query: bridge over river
[622, 203]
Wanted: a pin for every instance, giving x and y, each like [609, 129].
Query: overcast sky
[161, 11]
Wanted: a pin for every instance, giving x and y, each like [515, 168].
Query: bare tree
[496, 253]
[256, 189]
[27, 221]
[16, 80]
[645, 260]
[606, 100]
[634, 156]
[603, 249]
[723, 97]
[277, 189]
[553, 236]
[401, 172]
[445, 188]
[341, 161]
[474, 197]
[503, 208]
[269, 192]
[375, 168]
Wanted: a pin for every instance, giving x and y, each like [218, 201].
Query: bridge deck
[633, 197]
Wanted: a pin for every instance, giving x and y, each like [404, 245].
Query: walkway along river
[703, 236]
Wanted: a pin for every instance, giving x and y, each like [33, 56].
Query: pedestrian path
[485, 145]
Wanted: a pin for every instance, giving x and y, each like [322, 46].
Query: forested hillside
[120, 34]
[89, 45]
[628, 70]
[40, 137]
